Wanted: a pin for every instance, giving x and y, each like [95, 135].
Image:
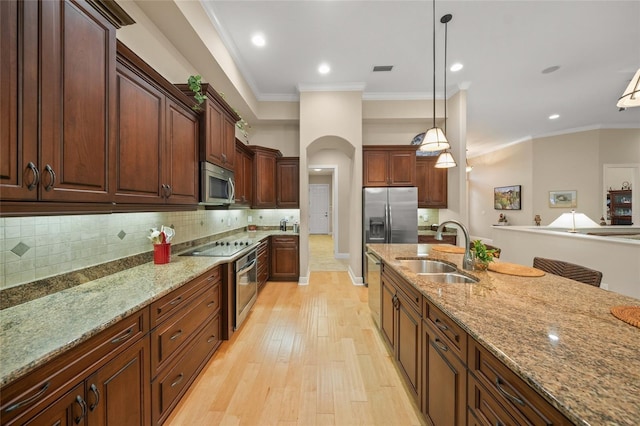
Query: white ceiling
[504, 46]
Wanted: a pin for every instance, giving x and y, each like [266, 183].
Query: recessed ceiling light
[317, 170]
[554, 116]
[456, 67]
[324, 69]
[258, 40]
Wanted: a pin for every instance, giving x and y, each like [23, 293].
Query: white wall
[325, 180]
[283, 137]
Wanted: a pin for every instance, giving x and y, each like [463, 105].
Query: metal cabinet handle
[36, 176]
[178, 380]
[396, 301]
[176, 335]
[499, 423]
[442, 326]
[83, 406]
[94, 389]
[126, 335]
[507, 394]
[52, 174]
[169, 191]
[210, 304]
[29, 400]
[176, 300]
[211, 339]
[441, 345]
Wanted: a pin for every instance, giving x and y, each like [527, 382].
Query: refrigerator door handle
[390, 224]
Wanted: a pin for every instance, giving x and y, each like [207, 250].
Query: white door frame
[335, 229]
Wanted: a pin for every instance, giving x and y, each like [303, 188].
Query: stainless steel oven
[246, 269]
[217, 185]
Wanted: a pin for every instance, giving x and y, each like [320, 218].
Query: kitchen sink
[449, 278]
[426, 266]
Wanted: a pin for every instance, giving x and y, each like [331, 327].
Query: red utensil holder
[161, 253]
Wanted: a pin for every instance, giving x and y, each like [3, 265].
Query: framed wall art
[563, 199]
[507, 198]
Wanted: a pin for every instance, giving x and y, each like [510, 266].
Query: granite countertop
[556, 334]
[35, 332]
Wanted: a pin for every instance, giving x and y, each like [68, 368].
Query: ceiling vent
[382, 68]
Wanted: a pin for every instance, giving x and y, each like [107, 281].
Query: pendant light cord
[434, 63]
[445, 77]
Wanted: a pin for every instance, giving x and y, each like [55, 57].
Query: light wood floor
[321, 254]
[306, 355]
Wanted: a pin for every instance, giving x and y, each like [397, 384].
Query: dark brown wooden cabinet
[243, 173]
[288, 182]
[620, 207]
[431, 183]
[389, 165]
[431, 239]
[263, 263]
[444, 370]
[264, 177]
[285, 264]
[58, 109]
[400, 322]
[218, 129]
[157, 140]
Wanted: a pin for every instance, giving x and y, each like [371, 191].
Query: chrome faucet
[467, 261]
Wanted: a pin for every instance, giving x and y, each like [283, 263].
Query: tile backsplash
[33, 248]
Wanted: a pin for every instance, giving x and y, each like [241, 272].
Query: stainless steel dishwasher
[372, 280]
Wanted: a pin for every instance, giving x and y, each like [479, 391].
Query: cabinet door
[181, 168]
[214, 120]
[402, 168]
[387, 311]
[376, 168]
[247, 172]
[18, 100]
[431, 182]
[288, 181]
[70, 409]
[78, 57]
[228, 143]
[264, 188]
[119, 392]
[408, 344]
[140, 126]
[444, 376]
[239, 176]
[284, 258]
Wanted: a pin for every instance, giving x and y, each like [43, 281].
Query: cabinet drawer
[168, 387]
[512, 392]
[412, 294]
[283, 240]
[41, 387]
[455, 337]
[173, 334]
[484, 409]
[164, 307]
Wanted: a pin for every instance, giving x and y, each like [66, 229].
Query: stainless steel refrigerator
[389, 215]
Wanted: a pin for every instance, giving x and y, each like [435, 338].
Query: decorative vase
[161, 253]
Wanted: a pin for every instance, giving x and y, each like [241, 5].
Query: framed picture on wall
[563, 199]
[507, 198]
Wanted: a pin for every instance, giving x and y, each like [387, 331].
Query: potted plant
[195, 85]
[481, 255]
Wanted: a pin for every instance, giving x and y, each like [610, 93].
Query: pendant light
[631, 96]
[445, 159]
[434, 138]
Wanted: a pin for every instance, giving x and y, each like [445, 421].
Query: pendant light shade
[445, 161]
[631, 96]
[434, 140]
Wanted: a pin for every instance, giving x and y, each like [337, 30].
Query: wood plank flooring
[306, 355]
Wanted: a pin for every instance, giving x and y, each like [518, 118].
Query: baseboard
[355, 280]
[342, 256]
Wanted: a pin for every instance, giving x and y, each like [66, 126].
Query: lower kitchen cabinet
[285, 264]
[400, 319]
[263, 263]
[106, 377]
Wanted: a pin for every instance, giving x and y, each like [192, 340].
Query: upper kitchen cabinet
[243, 173]
[218, 128]
[57, 102]
[264, 177]
[389, 165]
[431, 183]
[157, 137]
[288, 182]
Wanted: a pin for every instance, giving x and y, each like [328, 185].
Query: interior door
[318, 208]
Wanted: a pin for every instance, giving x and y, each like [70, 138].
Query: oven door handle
[247, 268]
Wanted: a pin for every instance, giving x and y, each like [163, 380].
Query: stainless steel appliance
[372, 277]
[389, 215]
[246, 269]
[220, 248]
[217, 185]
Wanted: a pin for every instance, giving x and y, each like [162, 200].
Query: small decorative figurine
[537, 220]
[602, 221]
[502, 219]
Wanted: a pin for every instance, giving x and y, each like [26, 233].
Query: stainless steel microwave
[217, 185]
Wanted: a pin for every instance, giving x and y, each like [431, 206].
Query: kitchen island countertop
[558, 335]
